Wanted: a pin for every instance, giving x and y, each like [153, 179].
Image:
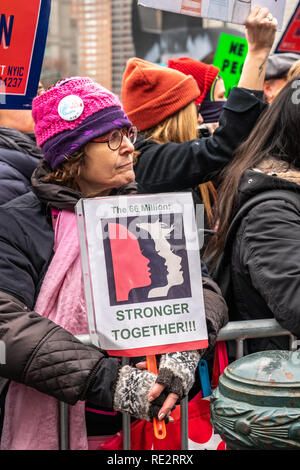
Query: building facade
[121, 37]
[93, 18]
[61, 54]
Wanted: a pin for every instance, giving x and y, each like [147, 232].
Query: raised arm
[261, 27]
[172, 166]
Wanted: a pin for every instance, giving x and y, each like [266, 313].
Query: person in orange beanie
[161, 102]
[211, 100]
[148, 86]
[209, 105]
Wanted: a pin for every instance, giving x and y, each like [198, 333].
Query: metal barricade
[237, 331]
[250, 329]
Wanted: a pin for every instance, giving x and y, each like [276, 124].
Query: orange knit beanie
[151, 93]
[204, 74]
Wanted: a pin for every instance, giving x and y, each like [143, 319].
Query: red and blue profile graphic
[145, 259]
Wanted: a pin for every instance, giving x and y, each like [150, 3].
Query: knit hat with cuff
[71, 113]
[204, 74]
[151, 93]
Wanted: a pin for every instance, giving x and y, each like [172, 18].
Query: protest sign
[229, 58]
[23, 34]
[231, 11]
[142, 273]
[290, 40]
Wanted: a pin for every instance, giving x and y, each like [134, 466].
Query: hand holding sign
[261, 27]
[232, 11]
[176, 375]
[260, 31]
[131, 391]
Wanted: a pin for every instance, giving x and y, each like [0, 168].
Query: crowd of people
[172, 130]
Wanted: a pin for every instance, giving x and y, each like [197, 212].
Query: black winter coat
[176, 167]
[16, 169]
[19, 157]
[265, 260]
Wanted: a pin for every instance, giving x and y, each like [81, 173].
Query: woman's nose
[126, 146]
[200, 119]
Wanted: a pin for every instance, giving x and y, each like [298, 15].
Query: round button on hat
[70, 108]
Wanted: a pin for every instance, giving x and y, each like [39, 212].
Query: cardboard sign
[23, 34]
[142, 273]
[290, 40]
[229, 58]
[231, 11]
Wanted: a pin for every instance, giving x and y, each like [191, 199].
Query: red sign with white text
[18, 26]
[290, 40]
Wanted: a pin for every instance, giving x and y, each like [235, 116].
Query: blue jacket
[16, 169]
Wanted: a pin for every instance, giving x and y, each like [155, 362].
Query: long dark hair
[276, 134]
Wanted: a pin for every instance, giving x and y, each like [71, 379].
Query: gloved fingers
[156, 405]
[168, 406]
[155, 391]
[172, 383]
[141, 365]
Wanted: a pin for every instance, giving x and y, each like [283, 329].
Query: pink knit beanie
[71, 113]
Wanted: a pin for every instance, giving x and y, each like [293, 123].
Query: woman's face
[105, 169]
[220, 90]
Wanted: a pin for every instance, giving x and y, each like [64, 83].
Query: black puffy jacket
[19, 157]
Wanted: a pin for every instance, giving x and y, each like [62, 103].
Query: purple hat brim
[64, 144]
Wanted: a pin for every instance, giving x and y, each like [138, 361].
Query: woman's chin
[130, 176]
[126, 178]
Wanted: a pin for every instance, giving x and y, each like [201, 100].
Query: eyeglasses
[114, 138]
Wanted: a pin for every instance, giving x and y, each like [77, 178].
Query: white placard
[141, 255]
[231, 11]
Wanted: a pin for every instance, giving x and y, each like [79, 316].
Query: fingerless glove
[177, 371]
[131, 393]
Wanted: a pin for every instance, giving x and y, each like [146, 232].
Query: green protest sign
[229, 58]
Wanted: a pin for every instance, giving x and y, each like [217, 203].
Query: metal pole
[64, 425]
[293, 343]
[184, 426]
[126, 419]
[252, 329]
[239, 348]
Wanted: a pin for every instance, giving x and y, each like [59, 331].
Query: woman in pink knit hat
[88, 144]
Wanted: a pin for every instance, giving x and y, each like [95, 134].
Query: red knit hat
[204, 74]
[151, 93]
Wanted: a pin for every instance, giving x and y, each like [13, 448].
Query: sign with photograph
[23, 34]
[290, 40]
[142, 271]
[231, 11]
